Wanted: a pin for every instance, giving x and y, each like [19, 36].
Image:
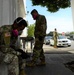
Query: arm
[23, 54]
[42, 27]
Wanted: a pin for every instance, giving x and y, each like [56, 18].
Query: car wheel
[50, 44]
[69, 45]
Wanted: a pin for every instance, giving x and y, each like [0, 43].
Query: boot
[42, 63]
[55, 46]
[22, 72]
[31, 64]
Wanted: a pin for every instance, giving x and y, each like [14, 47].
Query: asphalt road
[48, 48]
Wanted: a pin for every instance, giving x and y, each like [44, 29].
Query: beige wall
[10, 9]
[72, 6]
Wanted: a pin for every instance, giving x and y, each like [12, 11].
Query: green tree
[52, 5]
[50, 33]
[31, 30]
[71, 32]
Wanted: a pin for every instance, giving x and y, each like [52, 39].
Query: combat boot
[31, 64]
[42, 63]
[22, 72]
[55, 46]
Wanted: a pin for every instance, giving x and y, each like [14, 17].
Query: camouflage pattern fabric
[40, 32]
[38, 50]
[40, 26]
[7, 54]
[55, 39]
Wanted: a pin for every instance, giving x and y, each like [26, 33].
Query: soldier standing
[55, 37]
[8, 37]
[39, 33]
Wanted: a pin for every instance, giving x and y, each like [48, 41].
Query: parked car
[47, 40]
[61, 41]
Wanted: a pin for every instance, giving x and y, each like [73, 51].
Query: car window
[48, 37]
[61, 37]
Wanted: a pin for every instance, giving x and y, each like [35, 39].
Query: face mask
[34, 17]
[15, 33]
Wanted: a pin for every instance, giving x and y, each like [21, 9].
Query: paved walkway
[55, 59]
[54, 65]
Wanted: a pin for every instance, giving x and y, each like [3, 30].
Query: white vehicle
[61, 41]
[47, 40]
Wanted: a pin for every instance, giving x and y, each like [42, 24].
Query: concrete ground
[54, 65]
[55, 60]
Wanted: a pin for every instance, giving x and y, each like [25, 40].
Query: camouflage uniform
[55, 38]
[40, 32]
[7, 54]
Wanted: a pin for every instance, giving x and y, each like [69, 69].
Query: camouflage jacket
[6, 39]
[40, 26]
[55, 35]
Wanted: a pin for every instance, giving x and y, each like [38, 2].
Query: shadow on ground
[70, 65]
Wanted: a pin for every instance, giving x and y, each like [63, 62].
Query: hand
[18, 53]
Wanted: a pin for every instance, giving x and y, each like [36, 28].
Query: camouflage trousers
[55, 42]
[38, 50]
[12, 65]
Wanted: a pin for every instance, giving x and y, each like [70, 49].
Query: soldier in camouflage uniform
[8, 38]
[55, 37]
[39, 33]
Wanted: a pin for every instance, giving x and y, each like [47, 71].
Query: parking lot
[49, 49]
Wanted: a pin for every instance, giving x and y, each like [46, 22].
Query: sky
[61, 20]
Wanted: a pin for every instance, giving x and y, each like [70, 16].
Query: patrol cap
[34, 10]
[20, 21]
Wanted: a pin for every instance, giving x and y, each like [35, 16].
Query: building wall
[4, 12]
[1, 1]
[7, 11]
[11, 9]
[22, 12]
[72, 6]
